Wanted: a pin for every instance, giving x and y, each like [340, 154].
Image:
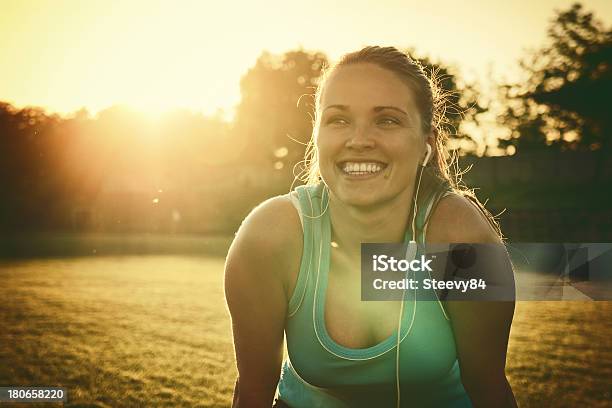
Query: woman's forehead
[363, 85]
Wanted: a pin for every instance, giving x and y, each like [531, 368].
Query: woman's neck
[384, 222]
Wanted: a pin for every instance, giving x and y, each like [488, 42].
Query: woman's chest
[351, 321]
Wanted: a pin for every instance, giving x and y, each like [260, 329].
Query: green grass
[118, 331]
[153, 331]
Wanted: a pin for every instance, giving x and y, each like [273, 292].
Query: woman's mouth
[362, 169]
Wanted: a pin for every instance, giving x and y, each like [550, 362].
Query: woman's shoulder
[273, 221]
[269, 239]
[457, 219]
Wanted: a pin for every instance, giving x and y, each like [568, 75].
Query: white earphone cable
[410, 254]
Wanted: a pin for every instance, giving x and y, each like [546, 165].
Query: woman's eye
[388, 121]
[337, 121]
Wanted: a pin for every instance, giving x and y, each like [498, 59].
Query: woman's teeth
[361, 168]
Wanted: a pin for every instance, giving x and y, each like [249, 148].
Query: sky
[63, 55]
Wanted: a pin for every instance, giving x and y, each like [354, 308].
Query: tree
[274, 119]
[564, 102]
[459, 102]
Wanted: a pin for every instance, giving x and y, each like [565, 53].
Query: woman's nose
[360, 139]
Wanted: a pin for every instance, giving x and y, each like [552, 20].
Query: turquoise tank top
[322, 373]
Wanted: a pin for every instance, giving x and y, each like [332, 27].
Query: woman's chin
[360, 197]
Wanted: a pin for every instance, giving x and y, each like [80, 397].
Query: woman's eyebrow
[375, 109]
[341, 107]
[380, 108]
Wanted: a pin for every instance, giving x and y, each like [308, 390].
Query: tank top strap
[433, 189]
[311, 205]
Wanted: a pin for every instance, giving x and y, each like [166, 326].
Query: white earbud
[427, 155]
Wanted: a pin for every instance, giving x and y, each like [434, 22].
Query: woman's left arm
[481, 328]
[481, 332]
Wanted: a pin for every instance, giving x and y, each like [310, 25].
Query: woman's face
[369, 137]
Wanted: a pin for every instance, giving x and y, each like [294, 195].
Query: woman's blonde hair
[431, 101]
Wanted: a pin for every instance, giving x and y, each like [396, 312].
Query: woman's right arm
[265, 251]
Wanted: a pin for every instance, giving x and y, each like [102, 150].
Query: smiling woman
[378, 173]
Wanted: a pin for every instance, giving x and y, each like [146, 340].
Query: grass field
[153, 331]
